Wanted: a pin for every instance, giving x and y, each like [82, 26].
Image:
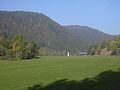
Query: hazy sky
[101, 14]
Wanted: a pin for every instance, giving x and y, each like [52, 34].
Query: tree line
[17, 48]
[112, 46]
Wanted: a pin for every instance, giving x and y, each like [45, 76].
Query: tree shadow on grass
[108, 80]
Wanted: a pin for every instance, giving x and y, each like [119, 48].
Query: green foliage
[114, 45]
[92, 51]
[30, 50]
[3, 50]
[17, 47]
[98, 50]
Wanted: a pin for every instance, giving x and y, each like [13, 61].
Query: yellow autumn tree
[18, 45]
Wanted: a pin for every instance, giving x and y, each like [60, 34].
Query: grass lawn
[61, 73]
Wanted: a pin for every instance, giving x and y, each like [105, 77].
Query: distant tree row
[17, 47]
[112, 46]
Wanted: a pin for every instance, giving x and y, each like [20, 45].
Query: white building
[68, 54]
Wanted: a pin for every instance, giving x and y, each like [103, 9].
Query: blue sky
[101, 14]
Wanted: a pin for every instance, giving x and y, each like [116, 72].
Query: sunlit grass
[18, 75]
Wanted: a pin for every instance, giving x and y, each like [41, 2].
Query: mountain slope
[89, 35]
[46, 32]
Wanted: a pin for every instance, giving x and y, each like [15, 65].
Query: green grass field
[61, 73]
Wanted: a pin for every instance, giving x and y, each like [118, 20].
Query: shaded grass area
[45, 72]
[108, 80]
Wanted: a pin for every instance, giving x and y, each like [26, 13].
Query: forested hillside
[87, 34]
[47, 33]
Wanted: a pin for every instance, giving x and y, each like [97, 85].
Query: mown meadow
[61, 73]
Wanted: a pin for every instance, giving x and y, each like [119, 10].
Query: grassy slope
[15, 75]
